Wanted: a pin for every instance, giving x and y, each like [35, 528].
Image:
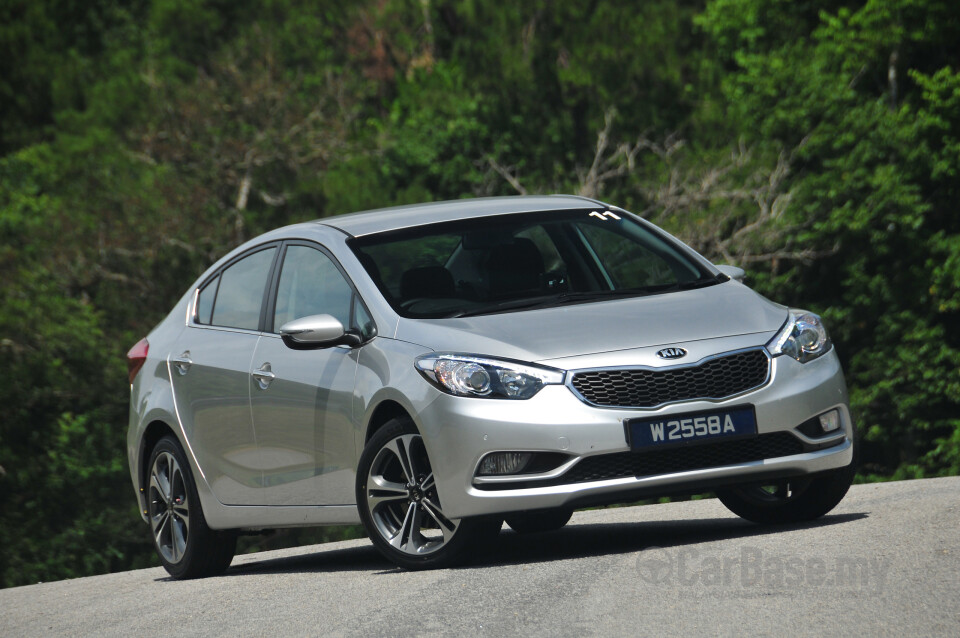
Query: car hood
[724, 310]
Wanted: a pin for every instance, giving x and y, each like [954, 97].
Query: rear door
[302, 399]
[210, 371]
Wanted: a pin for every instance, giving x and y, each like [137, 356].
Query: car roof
[400, 217]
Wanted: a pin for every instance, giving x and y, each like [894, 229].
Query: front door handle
[264, 376]
[183, 363]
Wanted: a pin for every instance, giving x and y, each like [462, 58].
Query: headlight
[472, 376]
[802, 337]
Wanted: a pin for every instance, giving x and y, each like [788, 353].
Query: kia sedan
[432, 371]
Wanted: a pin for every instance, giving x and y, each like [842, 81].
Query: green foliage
[139, 141]
[875, 186]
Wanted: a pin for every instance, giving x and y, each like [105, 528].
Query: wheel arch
[152, 434]
[385, 411]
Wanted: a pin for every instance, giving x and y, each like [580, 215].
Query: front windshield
[511, 262]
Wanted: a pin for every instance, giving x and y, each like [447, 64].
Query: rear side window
[239, 296]
[205, 301]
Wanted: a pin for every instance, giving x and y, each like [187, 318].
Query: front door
[302, 399]
[303, 425]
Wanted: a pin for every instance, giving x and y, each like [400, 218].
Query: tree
[864, 94]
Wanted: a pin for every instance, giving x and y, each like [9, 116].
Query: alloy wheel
[402, 498]
[169, 508]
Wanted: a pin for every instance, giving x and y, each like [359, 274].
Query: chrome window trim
[192, 322]
[201, 326]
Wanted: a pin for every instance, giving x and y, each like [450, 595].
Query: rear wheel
[186, 546]
[401, 509]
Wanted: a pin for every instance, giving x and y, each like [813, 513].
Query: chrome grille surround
[716, 377]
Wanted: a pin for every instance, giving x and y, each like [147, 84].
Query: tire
[187, 547]
[789, 501]
[539, 521]
[400, 508]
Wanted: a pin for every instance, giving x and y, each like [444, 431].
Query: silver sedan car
[432, 371]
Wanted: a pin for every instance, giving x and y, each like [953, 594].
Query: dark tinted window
[240, 294]
[634, 262]
[311, 284]
[501, 263]
[395, 258]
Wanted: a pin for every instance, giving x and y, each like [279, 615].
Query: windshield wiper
[512, 304]
[590, 295]
[699, 283]
[548, 301]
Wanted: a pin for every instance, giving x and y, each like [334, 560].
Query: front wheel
[538, 521]
[791, 500]
[400, 507]
[186, 546]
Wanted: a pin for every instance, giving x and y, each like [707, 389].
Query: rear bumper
[458, 432]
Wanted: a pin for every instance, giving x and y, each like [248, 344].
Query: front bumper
[459, 431]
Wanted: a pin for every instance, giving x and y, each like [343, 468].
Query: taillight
[136, 357]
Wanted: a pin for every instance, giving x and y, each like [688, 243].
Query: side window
[205, 301]
[363, 320]
[310, 284]
[240, 293]
[628, 263]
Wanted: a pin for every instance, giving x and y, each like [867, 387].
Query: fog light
[830, 421]
[503, 463]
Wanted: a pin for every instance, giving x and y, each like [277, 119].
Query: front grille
[717, 378]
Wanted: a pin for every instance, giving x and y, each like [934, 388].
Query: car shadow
[602, 539]
[574, 541]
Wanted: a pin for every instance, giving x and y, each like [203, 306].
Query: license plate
[691, 428]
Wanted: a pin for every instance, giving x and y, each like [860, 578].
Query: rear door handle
[264, 376]
[183, 363]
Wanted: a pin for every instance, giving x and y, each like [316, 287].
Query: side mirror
[733, 272]
[316, 331]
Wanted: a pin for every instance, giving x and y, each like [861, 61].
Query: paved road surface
[886, 562]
